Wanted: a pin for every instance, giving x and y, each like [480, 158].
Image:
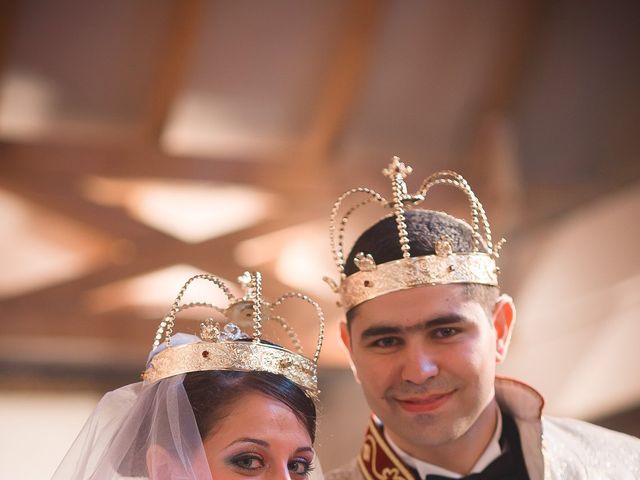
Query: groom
[426, 325]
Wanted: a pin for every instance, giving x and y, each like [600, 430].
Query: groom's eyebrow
[379, 330]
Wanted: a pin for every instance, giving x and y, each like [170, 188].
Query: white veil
[143, 430]
[137, 430]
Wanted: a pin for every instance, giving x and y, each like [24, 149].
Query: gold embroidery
[368, 458]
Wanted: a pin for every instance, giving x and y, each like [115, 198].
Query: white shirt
[492, 452]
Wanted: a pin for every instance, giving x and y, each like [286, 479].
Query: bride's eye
[300, 466]
[247, 461]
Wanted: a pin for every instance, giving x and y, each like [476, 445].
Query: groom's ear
[504, 318]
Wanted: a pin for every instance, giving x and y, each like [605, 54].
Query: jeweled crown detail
[446, 266]
[225, 346]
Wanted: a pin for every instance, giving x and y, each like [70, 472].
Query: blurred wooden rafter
[344, 79]
[489, 157]
[8, 9]
[171, 67]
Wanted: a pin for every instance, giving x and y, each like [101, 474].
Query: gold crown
[224, 346]
[446, 266]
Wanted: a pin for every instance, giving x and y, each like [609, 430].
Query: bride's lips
[421, 404]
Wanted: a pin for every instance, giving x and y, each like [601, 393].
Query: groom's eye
[386, 342]
[445, 332]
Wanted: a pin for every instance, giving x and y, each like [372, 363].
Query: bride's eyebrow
[257, 441]
[305, 449]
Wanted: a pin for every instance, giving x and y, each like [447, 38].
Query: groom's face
[426, 358]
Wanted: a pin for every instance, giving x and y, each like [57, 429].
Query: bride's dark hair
[212, 395]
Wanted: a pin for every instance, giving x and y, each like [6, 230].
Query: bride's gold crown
[445, 266]
[224, 345]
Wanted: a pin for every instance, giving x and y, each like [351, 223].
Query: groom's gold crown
[224, 345]
[447, 265]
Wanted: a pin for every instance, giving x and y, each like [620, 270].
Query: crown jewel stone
[396, 167]
[232, 332]
[443, 247]
[245, 279]
[365, 263]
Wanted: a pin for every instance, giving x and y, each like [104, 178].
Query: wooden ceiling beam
[344, 78]
[489, 156]
[8, 10]
[172, 64]
[150, 249]
[62, 195]
[46, 159]
[522, 36]
[305, 169]
[62, 310]
[518, 36]
[23, 162]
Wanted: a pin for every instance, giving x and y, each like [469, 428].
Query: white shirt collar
[492, 452]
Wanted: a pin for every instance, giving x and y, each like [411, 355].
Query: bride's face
[262, 438]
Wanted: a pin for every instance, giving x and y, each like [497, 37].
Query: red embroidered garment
[377, 460]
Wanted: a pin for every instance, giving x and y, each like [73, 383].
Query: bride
[222, 405]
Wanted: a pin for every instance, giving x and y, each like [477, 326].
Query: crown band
[417, 271]
[249, 356]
